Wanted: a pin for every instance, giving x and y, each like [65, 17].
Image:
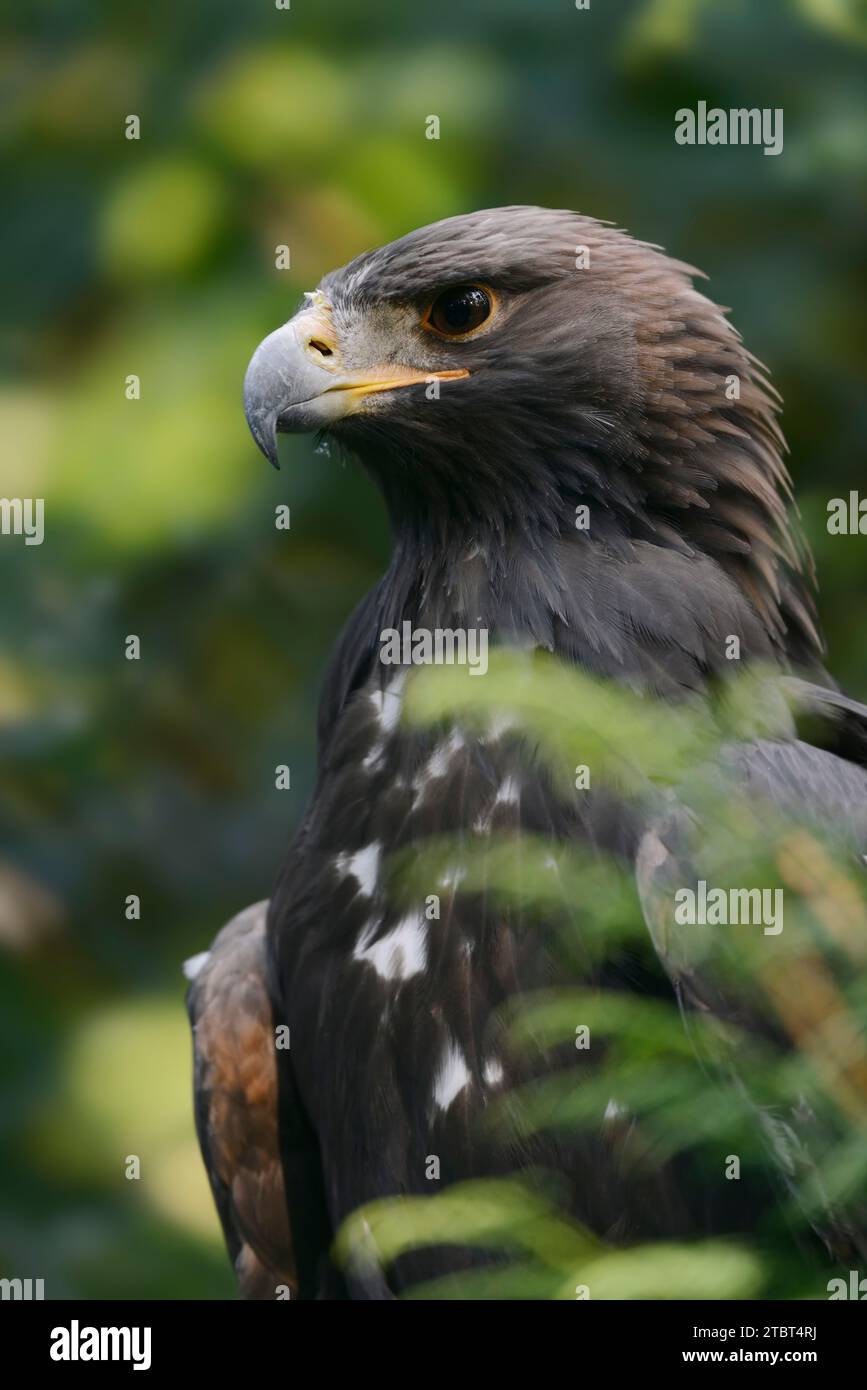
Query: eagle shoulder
[236, 1104]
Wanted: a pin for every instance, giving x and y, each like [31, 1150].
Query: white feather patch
[398, 955]
[363, 865]
[194, 965]
[493, 1072]
[452, 1075]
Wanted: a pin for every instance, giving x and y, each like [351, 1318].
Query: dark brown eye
[459, 311]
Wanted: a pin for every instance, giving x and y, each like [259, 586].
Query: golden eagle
[495, 374]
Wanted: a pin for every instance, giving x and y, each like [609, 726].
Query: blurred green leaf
[161, 218]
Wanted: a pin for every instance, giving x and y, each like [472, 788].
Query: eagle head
[498, 371]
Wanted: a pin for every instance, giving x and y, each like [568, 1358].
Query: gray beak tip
[284, 390]
[267, 442]
[263, 427]
[261, 410]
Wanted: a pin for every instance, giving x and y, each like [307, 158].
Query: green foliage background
[156, 257]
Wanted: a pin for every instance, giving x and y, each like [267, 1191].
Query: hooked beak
[295, 381]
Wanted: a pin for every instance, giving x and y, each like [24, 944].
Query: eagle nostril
[317, 345]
